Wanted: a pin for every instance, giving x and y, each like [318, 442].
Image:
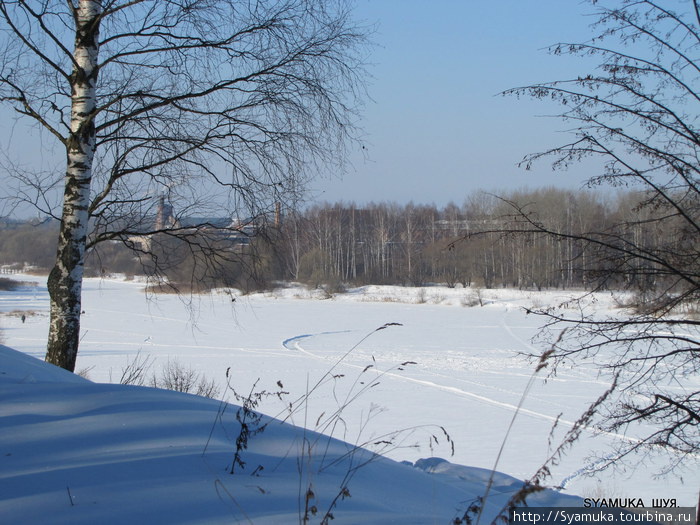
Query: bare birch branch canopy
[220, 105]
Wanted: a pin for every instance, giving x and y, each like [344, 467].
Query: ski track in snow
[520, 341]
[294, 343]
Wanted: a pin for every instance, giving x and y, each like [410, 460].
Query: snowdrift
[79, 452]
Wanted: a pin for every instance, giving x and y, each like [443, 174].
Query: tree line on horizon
[481, 243]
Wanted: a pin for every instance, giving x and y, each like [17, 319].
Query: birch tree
[218, 107]
[636, 115]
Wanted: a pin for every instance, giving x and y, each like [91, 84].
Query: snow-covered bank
[467, 376]
[75, 452]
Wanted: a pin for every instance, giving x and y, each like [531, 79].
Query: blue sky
[436, 129]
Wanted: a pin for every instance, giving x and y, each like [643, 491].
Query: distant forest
[485, 242]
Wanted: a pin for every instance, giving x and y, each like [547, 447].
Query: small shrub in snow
[250, 420]
[437, 298]
[85, 372]
[537, 303]
[22, 314]
[470, 300]
[334, 287]
[174, 376]
[135, 372]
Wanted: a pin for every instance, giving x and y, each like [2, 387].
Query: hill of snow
[75, 452]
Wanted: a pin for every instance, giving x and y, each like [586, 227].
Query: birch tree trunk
[66, 277]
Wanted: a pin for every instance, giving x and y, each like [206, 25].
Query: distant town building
[238, 230]
[164, 215]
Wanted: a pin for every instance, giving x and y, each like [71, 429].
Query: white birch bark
[65, 279]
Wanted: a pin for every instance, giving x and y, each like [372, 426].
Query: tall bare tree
[637, 117]
[208, 107]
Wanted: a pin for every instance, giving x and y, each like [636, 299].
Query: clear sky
[437, 129]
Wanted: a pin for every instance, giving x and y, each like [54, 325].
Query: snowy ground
[467, 376]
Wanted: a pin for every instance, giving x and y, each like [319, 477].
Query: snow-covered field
[438, 364]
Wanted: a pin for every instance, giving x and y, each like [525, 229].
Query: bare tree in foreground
[212, 108]
[637, 116]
